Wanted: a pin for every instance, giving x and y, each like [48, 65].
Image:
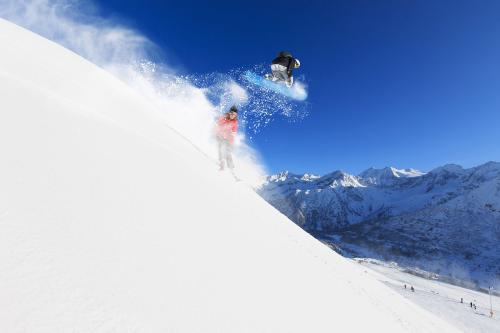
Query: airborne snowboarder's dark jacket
[287, 61]
[283, 61]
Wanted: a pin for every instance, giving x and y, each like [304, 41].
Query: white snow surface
[110, 221]
[449, 302]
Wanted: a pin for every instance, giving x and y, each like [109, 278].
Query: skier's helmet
[233, 109]
[285, 54]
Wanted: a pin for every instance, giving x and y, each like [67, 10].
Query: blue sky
[391, 83]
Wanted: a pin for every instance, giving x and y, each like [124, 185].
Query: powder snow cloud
[133, 58]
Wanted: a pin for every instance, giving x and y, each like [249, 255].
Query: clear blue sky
[402, 83]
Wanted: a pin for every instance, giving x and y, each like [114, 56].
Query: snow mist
[134, 59]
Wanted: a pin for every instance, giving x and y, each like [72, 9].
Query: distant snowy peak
[407, 173]
[387, 175]
[309, 177]
[287, 176]
[284, 176]
[372, 172]
[338, 179]
[334, 179]
[448, 168]
[488, 170]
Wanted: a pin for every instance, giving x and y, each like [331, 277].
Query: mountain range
[445, 221]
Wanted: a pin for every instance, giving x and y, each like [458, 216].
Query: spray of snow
[77, 26]
[261, 106]
[184, 104]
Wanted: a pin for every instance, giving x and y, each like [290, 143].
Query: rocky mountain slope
[446, 221]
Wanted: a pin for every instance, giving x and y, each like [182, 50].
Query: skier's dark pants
[225, 153]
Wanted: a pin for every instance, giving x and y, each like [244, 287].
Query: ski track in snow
[442, 299]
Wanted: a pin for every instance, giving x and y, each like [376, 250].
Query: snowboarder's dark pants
[225, 153]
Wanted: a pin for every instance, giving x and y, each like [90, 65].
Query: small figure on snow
[282, 68]
[225, 133]
[412, 289]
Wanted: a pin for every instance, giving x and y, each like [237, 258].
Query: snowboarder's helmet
[285, 54]
[297, 63]
[233, 109]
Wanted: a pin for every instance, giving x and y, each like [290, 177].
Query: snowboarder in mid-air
[282, 68]
[225, 132]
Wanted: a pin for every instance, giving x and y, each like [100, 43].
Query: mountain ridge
[380, 209]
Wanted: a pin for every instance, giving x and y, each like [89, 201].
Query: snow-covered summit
[387, 175]
[448, 168]
[338, 179]
[489, 170]
[309, 177]
[101, 230]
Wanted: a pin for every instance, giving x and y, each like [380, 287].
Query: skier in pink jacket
[225, 133]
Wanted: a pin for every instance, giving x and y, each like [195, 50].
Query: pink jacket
[226, 128]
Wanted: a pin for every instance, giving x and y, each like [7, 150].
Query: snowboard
[296, 92]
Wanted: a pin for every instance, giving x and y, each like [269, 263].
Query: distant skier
[225, 133]
[412, 289]
[282, 68]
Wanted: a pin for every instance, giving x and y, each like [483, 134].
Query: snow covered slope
[112, 221]
[449, 302]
